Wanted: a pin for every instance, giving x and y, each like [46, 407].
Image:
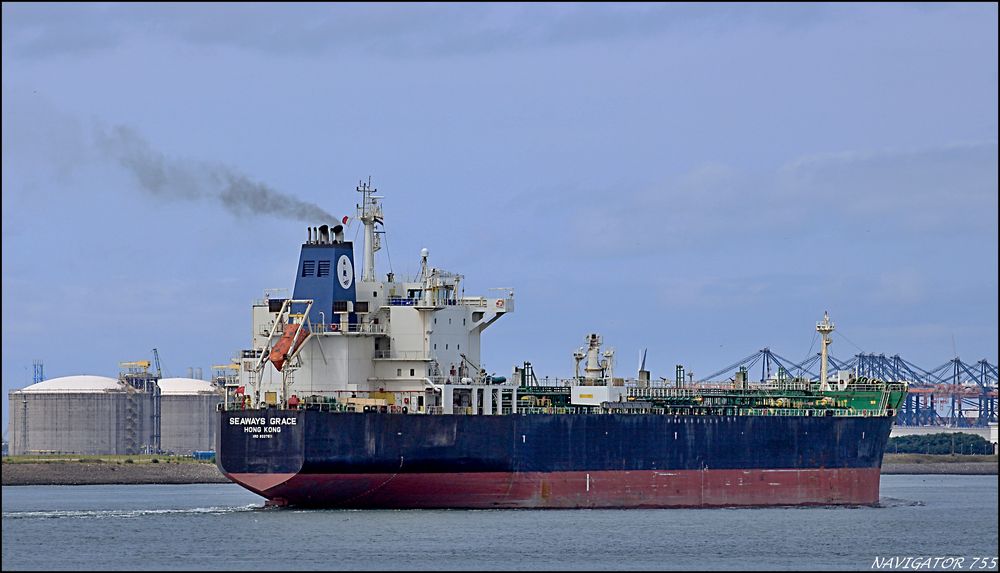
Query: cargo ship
[370, 392]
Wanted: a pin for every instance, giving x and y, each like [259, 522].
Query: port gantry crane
[955, 393]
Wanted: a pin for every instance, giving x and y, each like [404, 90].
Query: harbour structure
[955, 394]
[372, 393]
[137, 413]
[142, 428]
[188, 408]
[87, 415]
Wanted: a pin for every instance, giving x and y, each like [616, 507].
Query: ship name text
[263, 427]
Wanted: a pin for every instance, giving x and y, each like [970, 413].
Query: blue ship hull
[318, 458]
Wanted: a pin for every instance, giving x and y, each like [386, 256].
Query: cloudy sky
[699, 180]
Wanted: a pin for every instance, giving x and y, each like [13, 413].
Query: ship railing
[548, 382]
[456, 380]
[779, 385]
[661, 392]
[814, 412]
[545, 410]
[401, 355]
[360, 328]
[867, 387]
[633, 385]
[468, 411]
[464, 301]
[395, 400]
[863, 386]
[689, 392]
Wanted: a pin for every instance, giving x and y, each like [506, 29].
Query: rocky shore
[89, 473]
[93, 473]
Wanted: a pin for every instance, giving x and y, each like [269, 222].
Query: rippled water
[225, 527]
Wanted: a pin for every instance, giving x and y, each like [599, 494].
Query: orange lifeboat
[281, 350]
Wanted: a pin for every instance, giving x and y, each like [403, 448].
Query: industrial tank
[91, 415]
[188, 410]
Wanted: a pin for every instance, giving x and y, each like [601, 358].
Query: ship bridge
[342, 336]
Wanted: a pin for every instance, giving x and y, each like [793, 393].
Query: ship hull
[371, 460]
[566, 490]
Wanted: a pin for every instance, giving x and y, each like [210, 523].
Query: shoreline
[95, 473]
[939, 468]
[68, 472]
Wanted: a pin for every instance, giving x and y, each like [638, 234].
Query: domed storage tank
[90, 415]
[188, 415]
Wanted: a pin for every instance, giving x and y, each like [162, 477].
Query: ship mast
[370, 212]
[824, 328]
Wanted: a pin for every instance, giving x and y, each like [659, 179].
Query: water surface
[222, 526]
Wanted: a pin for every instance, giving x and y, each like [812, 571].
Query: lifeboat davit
[283, 349]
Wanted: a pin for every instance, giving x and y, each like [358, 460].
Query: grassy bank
[955, 464]
[936, 459]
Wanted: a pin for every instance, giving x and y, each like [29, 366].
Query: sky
[702, 181]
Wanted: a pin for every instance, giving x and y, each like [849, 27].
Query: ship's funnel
[338, 232]
[324, 234]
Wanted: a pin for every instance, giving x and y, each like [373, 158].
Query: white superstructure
[405, 342]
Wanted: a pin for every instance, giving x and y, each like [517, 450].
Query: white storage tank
[188, 415]
[91, 415]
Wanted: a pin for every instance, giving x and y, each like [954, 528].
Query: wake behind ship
[367, 393]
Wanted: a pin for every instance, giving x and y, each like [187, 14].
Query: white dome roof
[175, 386]
[68, 384]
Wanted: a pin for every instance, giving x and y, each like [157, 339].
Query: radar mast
[370, 212]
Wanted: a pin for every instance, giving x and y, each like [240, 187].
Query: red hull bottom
[601, 489]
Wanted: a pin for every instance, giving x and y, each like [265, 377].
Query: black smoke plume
[172, 178]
